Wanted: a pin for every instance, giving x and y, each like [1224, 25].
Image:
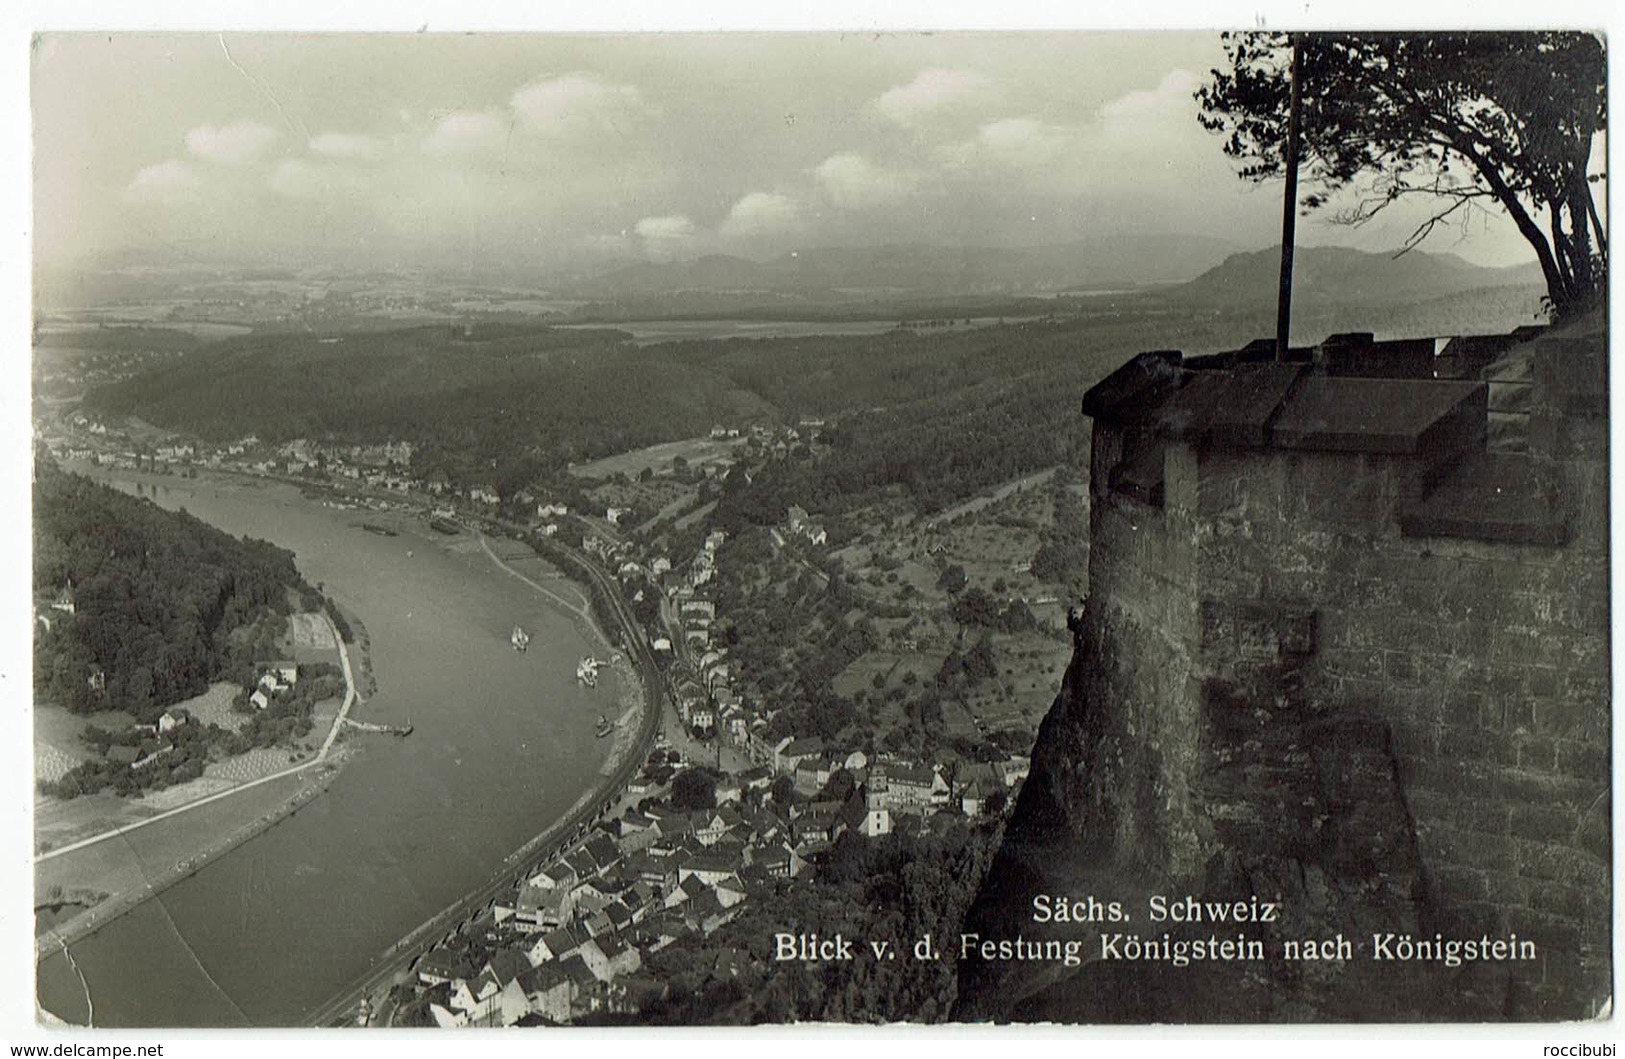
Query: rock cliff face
[1340, 662]
[1300, 810]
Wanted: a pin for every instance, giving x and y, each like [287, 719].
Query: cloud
[576, 103]
[933, 90]
[465, 132]
[1022, 141]
[665, 237]
[761, 213]
[1174, 95]
[236, 144]
[851, 181]
[346, 145]
[166, 180]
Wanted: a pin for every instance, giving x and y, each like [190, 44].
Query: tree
[694, 789]
[1462, 118]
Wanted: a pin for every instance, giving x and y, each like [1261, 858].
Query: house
[688, 888]
[596, 924]
[581, 866]
[972, 799]
[710, 825]
[602, 851]
[791, 751]
[548, 990]
[731, 891]
[259, 699]
[440, 965]
[609, 955]
[558, 875]
[276, 675]
[902, 786]
[780, 862]
[729, 791]
[707, 913]
[699, 609]
[543, 908]
[506, 965]
[638, 831]
[1014, 770]
[172, 718]
[586, 992]
[811, 773]
[447, 1019]
[475, 999]
[554, 945]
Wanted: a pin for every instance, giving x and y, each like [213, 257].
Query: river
[503, 744]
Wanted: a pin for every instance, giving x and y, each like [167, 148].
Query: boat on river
[520, 639]
[604, 727]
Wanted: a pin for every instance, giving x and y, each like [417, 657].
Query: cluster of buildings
[275, 678]
[571, 937]
[709, 703]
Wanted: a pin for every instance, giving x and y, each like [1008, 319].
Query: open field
[698, 452]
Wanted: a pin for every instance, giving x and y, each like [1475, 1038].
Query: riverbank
[503, 750]
[144, 874]
[138, 858]
[640, 698]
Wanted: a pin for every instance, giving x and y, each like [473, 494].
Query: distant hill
[1329, 276]
[857, 273]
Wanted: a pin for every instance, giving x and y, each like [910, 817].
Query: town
[729, 800]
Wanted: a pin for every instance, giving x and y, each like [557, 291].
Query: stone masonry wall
[1140, 636]
[1488, 661]
[1274, 580]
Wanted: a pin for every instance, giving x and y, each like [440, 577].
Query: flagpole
[1289, 206]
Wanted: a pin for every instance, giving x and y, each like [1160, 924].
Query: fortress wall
[1488, 661]
[1139, 635]
[1279, 583]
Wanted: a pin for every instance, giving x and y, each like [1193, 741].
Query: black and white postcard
[693, 529]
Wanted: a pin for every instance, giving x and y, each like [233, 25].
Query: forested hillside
[935, 410]
[162, 603]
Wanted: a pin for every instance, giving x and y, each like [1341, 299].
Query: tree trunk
[1556, 288]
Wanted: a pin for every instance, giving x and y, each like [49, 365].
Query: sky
[578, 152]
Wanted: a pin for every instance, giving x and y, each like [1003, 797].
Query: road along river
[503, 744]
